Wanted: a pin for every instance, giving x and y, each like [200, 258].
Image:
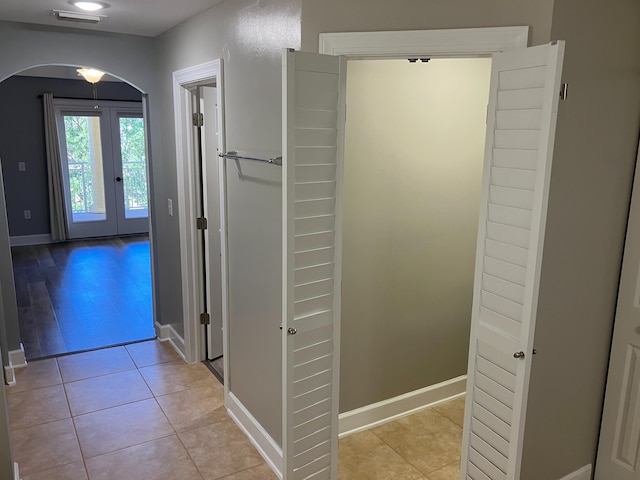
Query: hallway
[80, 295]
[139, 411]
[126, 412]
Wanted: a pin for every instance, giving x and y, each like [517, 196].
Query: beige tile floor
[134, 412]
[421, 446]
[139, 412]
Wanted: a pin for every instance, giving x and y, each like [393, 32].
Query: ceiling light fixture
[89, 6]
[91, 75]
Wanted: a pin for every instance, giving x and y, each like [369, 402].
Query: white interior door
[104, 165]
[313, 139]
[521, 119]
[619, 447]
[208, 96]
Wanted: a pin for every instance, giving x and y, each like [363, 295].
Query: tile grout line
[58, 420]
[155, 396]
[75, 430]
[177, 434]
[189, 455]
[137, 369]
[408, 460]
[420, 474]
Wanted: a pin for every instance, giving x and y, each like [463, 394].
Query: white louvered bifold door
[313, 137]
[521, 120]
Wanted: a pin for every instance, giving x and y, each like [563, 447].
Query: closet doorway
[414, 151]
[414, 157]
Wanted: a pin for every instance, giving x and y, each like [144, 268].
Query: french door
[104, 167]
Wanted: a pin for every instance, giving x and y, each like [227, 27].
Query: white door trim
[464, 42]
[204, 73]
[472, 42]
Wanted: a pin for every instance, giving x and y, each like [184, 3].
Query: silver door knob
[291, 331]
[518, 355]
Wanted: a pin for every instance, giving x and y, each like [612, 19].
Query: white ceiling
[137, 17]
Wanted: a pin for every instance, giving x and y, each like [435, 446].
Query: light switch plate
[22, 167]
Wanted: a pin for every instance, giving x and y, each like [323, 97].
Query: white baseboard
[387, 410]
[583, 473]
[17, 359]
[166, 333]
[24, 240]
[9, 375]
[16, 473]
[267, 447]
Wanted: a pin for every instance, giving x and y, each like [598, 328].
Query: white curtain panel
[57, 212]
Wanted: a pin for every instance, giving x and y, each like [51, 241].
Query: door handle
[118, 179]
[290, 330]
[518, 355]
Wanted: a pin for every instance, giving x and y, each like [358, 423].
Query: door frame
[192, 343]
[468, 42]
[108, 111]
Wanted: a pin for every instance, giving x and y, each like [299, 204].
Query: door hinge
[201, 223]
[205, 319]
[198, 119]
[564, 91]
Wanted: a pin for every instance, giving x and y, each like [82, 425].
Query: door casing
[115, 222]
[192, 344]
[471, 42]
[445, 43]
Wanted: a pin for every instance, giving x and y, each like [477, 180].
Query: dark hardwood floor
[81, 295]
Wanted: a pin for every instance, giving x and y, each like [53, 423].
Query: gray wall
[6, 452]
[22, 127]
[249, 36]
[320, 16]
[414, 152]
[9, 332]
[595, 153]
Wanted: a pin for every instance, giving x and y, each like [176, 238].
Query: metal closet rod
[234, 156]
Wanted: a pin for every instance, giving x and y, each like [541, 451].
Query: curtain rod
[91, 99]
[234, 156]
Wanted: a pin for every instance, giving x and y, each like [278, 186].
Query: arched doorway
[73, 296]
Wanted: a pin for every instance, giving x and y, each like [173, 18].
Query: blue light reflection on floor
[98, 293]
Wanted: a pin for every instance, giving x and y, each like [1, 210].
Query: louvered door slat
[520, 127]
[494, 423]
[474, 473]
[487, 451]
[313, 106]
[511, 197]
[504, 270]
[518, 237]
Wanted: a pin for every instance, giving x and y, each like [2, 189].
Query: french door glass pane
[84, 164]
[134, 167]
